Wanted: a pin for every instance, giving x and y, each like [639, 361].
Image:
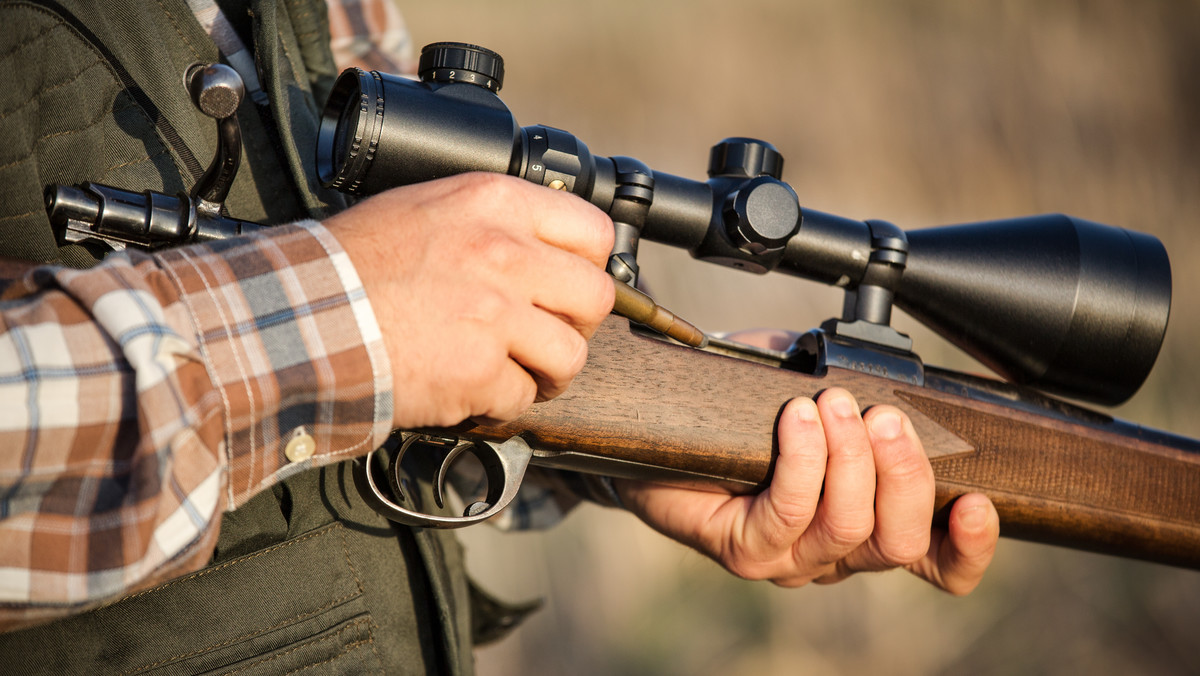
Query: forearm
[142, 398]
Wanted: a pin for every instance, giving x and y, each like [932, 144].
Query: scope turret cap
[744, 158]
[451, 62]
[762, 215]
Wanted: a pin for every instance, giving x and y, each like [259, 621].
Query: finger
[846, 515]
[571, 288]
[558, 218]
[506, 397]
[903, 494]
[782, 513]
[959, 555]
[550, 350]
[531, 271]
[696, 518]
[568, 222]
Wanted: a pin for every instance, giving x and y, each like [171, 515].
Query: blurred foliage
[921, 112]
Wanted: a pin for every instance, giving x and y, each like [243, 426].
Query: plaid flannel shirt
[143, 397]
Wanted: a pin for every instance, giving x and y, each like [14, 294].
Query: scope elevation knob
[450, 62]
[744, 158]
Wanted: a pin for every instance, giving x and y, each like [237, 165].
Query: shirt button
[301, 446]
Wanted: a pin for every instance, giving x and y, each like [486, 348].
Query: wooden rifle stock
[643, 408]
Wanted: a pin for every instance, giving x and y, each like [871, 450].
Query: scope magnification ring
[346, 142]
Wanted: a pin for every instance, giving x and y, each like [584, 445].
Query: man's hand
[486, 289]
[849, 493]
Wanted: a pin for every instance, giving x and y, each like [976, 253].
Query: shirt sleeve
[370, 34]
[142, 398]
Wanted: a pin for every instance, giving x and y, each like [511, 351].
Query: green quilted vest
[306, 575]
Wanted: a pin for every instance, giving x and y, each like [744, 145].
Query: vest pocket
[347, 648]
[290, 607]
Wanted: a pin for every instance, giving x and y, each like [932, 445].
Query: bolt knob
[450, 62]
[744, 158]
[216, 89]
[762, 215]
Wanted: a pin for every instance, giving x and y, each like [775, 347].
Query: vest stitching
[208, 571]
[309, 642]
[131, 162]
[358, 581]
[296, 19]
[32, 39]
[345, 649]
[177, 29]
[104, 114]
[300, 616]
[237, 639]
[11, 217]
[349, 563]
[164, 128]
[287, 58]
[51, 88]
[14, 163]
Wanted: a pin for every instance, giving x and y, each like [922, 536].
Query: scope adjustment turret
[762, 215]
[451, 62]
[739, 157]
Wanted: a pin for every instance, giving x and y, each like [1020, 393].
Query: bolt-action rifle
[1053, 304]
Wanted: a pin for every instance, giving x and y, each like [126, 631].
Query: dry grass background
[920, 112]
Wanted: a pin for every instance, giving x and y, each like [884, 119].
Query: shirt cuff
[290, 341]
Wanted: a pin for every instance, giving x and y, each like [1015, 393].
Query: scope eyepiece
[350, 130]
[379, 131]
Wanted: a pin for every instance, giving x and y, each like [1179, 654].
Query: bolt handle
[217, 90]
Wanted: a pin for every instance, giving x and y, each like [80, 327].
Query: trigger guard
[504, 466]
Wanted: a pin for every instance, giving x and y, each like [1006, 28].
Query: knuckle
[597, 297]
[792, 582]
[486, 185]
[739, 560]
[602, 233]
[791, 520]
[485, 306]
[836, 572]
[846, 533]
[483, 365]
[557, 375]
[747, 570]
[790, 517]
[903, 551]
[911, 470]
[960, 587]
[510, 406]
[495, 249]
[576, 355]
[777, 537]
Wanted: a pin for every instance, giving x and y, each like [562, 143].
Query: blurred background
[920, 112]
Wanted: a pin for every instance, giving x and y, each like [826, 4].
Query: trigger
[443, 472]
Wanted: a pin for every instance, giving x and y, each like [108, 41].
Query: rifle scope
[1053, 302]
